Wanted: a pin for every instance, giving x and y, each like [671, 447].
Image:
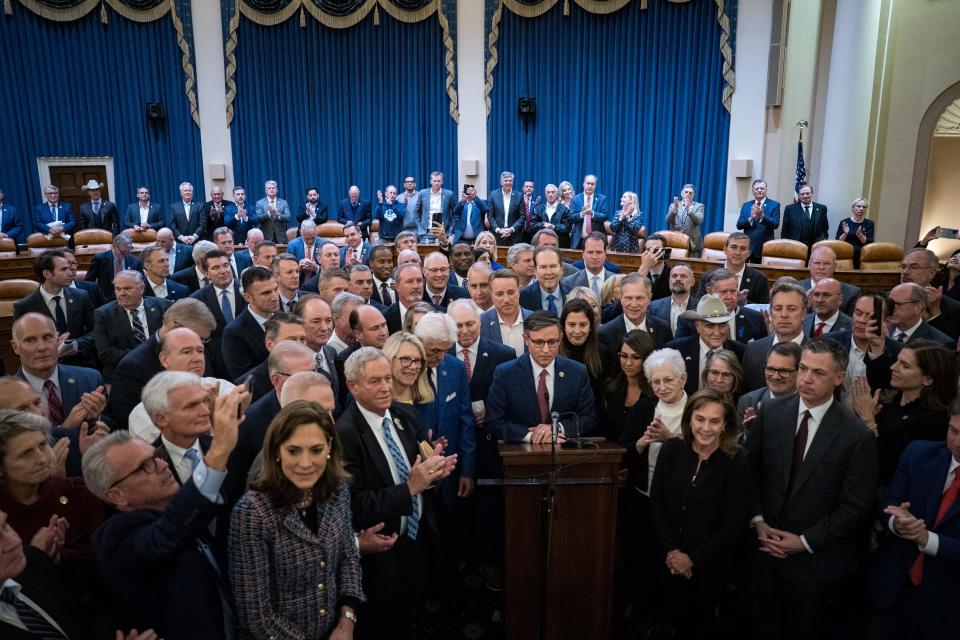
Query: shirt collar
[37, 383]
[177, 452]
[473, 349]
[630, 326]
[537, 368]
[375, 421]
[832, 320]
[816, 413]
[256, 316]
[798, 339]
[48, 297]
[519, 320]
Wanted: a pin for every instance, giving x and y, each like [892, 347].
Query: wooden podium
[560, 528]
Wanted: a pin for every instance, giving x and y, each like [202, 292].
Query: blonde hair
[606, 291]
[421, 388]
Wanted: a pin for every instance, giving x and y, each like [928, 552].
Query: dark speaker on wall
[527, 107]
[156, 111]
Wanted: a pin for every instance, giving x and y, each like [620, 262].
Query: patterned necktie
[59, 317]
[946, 501]
[902, 337]
[118, 266]
[225, 306]
[35, 623]
[466, 363]
[436, 300]
[54, 406]
[54, 213]
[595, 284]
[385, 294]
[819, 329]
[320, 363]
[194, 458]
[543, 399]
[552, 304]
[138, 333]
[403, 470]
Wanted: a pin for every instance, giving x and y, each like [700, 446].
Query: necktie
[59, 317]
[543, 399]
[819, 329]
[54, 213]
[193, 457]
[436, 300]
[225, 306]
[595, 285]
[138, 333]
[807, 210]
[653, 277]
[466, 363]
[320, 364]
[432, 380]
[552, 304]
[468, 230]
[799, 448]
[946, 501]
[902, 337]
[54, 406]
[118, 266]
[35, 623]
[385, 294]
[403, 470]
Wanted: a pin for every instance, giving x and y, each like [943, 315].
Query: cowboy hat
[710, 309]
[91, 185]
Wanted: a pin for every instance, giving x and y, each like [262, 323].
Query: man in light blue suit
[503, 323]
[526, 391]
[759, 218]
[588, 212]
[306, 245]
[53, 217]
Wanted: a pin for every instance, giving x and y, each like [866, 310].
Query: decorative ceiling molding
[949, 122]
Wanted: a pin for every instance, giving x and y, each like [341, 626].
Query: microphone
[554, 426]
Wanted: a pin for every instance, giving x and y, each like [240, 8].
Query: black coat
[451, 293]
[611, 333]
[114, 335]
[243, 345]
[755, 282]
[80, 321]
[101, 271]
[689, 349]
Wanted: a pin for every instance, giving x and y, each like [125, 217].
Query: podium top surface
[595, 450]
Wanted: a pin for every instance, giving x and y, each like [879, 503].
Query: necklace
[304, 505]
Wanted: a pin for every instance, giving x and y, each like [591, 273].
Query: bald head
[18, 395]
[826, 298]
[822, 264]
[182, 350]
[310, 386]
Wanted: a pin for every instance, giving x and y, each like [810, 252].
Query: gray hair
[664, 357]
[341, 301]
[122, 239]
[404, 234]
[284, 350]
[782, 285]
[254, 233]
[130, 273]
[406, 265]
[299, 383]
[584, 292]
[155, 394]
[98, 475]
[481, 266]
[356, 364]
[688, 186]
[437, 327]
[310, 225]
[201, 249]
[222, 231]
[190, 313]
[513, 253]
[463, 303]
[505, 175]
[13, 423]
[269, 183]
[184, 185]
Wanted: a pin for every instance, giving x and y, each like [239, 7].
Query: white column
[849, 94]
[471, 76]
[211, 94]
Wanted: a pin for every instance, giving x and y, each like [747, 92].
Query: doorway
[70, 180]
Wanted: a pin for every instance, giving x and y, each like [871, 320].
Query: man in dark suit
[920, 266]
[183, 217]
[503, 324]
[780, 373]
[751, 284]
[713, 328]
[143, 214]
[98, 213]
[355, 249]
[670, 308]
[90, 288]
[353, 209]
[11, 226]
[906, 318]
[788, 306]
[105, 264]
[805, 221]
[240, 218]
[70, 309]
[653, 266]
[435, 206]
[589, 210]
[823, 264]
[526, 391]
[223, 297]
[306, 248]
[156, 272]
[635, 299]
[548, 292]
[871, 353]
[53, 217]
[747, 325]
[826, 316]
[552, 214]
[179, 254]
[154, 555]
[914, 581]
[759, 218]
[438, 290]
[815, 468]
[390, 485]
[213, 215]
[240, 261]
[503, 210]
[243, 346]
[313, 209]
[282, 326]
[409, 290]
[126, 322]
[318, 329]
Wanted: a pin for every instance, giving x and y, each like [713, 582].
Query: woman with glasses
[408, 358]
[578, 322]
[627, 385]
[294, 562]
[916, 406]
[722, 373]
[699, 504]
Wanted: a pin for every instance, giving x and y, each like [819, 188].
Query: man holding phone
[653, 265]
[468, 215]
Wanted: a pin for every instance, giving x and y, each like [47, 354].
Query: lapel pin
[71, 381]
[64, 499]
[689, 358]
[484, 354]
[561, 374]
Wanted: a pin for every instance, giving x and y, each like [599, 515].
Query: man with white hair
[520, 260]
[184, 216]
[273, 214]
[306, 249]
[193, 276]
[409, 256]
[341, 307]
[253, 239]
[353, 209]
[552, 214]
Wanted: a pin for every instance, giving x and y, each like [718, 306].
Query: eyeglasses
[900, 304]
[632, 357]
[438, 270]
[540, 344]
[716, 373]
[781, 373]
[148, 466]
[407, 362]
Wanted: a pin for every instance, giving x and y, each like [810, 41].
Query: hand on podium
[540, 434]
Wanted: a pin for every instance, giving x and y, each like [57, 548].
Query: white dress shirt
[144, 214]
[159, 290]
[335, 342]
[201, 279]
[48, 298]
[827, 324]
[536, 382]
[630, 326]
[511, 334]
[181, 464]
[142, 314]
[142, 427]
[677, 309]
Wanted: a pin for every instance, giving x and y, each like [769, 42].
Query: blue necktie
[551, 304]
[225, 307]
[403, 470]
[194, 458]
[35, 623]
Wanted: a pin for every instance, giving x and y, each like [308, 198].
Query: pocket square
[451, 396]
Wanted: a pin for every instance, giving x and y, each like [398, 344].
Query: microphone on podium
[554, 427]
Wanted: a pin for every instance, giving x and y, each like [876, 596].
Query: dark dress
[898, 426]
[702, 509]
[626, 234]
[852, 236]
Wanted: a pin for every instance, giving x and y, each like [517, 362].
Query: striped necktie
[403, 470]
[31, 618]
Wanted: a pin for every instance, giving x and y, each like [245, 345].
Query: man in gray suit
[593, 274]
[435, 206]
[826, 297]
[815, 470]
[788, 306]
[504, 210]
[686, 215]
[823, 264]
[273, 213]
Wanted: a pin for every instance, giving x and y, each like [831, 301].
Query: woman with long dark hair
[627, 385]
[579, 342]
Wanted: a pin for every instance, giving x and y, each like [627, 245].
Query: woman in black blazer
[627, 385]
[699, 503]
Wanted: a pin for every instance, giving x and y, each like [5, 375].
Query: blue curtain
[332, 108]
[80, 89]
[633, 97]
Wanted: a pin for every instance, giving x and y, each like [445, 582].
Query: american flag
[801, 170]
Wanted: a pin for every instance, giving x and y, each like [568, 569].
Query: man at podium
[526, 391]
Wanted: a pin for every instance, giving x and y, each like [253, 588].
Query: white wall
[215, 142]
[472, 129]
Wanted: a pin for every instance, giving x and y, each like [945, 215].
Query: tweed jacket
[288, 582]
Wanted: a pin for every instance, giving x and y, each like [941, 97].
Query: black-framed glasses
[406, 362]
[148, 466]
[540, 344]
[782, 373]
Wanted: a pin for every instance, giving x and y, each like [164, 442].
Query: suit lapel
[937, 476]
[69, 394]
[822, 440]
[526, 373]
[373, 447]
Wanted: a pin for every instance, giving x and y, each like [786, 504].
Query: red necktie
[54, 407]
[436, 300]
[542, 398]
[946, 501]
[466, 363]
[819, 329]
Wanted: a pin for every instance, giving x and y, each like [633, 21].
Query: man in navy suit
[906, 317]
[751, 284]
[635, 299]
[670, 308]
[435, 206]
[98, 213]
[240, 261]
[503, 210]
[106, 264]
[53, 217]
[438, 290]
[788, 307]
[318, 329]
[355, 250]
[179, 254]
[243, 347]
[759, 218]
[806, 221]
[223, 297]
[527, 390]
[154, 555]
[143, 214]
[10, 224]
[825, 297]
[126, 322]
[184, 216]
[589, 211]
[823, 264]
[503, 324]
[548, 292]
[240, 219]
[468, 215]
[747, 324]
[353, 209]
[213, 215]
[594, 271]
[713, 333]
[914, 577]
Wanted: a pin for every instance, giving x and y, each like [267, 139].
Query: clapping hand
[906, 525]
[425, 472]
[845, 228]
[865, 404]
[372, 541]
[149, 634]
[679, 564]
[60, 451]
[50, 539]
[89, 438]
[861, 235]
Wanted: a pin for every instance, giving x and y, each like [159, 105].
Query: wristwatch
[351, 616]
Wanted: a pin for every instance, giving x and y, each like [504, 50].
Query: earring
[328, 456]
[277, 459]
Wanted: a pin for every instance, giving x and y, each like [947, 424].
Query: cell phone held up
[947, 234]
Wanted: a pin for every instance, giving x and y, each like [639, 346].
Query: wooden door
[70, 180]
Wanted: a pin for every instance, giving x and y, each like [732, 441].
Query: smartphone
[949, 234]
[878, 303]
[467, 187]
[248, 385]
[666, 252]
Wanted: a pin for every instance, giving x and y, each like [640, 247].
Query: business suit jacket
[187, 277]
[797, 227]
[758, 289]
[175, 290]
[661, 309]
[91, 289]
[10, 222]
[691, 226]
[114, 335]
[850, 294]
[447, 203]
[660, 288]
[490, 355]
[834, 489]
[161, 452]
[530, 297]
[512, 406]
[878, 369]
[689, 349]
[451, 293]
[108, 218]
[274, 229]
[240, 227]
[243, 345]
[42, 217]
[364, 254]
[749, 326]
[392, 316]
[155, 217]
[601, 213]
[612, 333]
[180, 223]
[459, 218]
[926, 332]
[503, 213]
[208, 296]
[210, 219]
[755, 359]
[101, 271]
[948, 322]
[749, 400]
[153, 568]
[490, 325]
[582, 278]
[73, 382]
[843, 323]
[80, 319]
[561, 218]
[320, 213]
[362, 214]
[183, 257]
[256, 420]
[762, 230]
[297, 248]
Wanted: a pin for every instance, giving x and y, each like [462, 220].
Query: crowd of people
[236, 435]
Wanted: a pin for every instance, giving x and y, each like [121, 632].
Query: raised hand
[372, 541]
